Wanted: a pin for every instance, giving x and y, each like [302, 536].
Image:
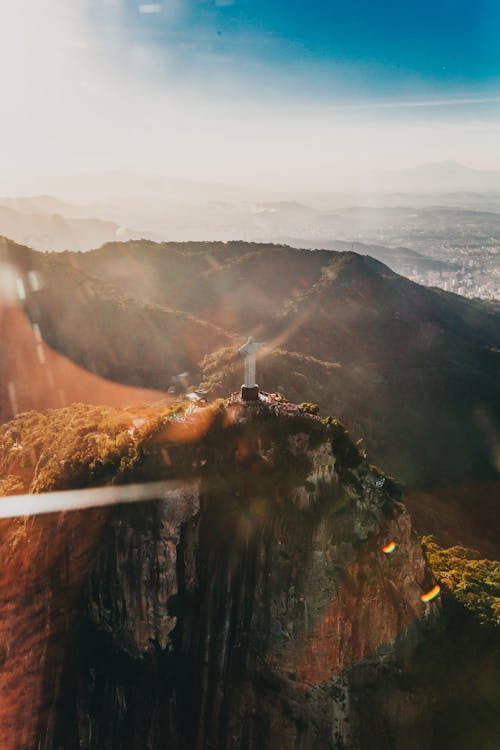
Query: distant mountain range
[385, 208]
[442, 176]
[117, 186]
[46, 223]
[43, 205]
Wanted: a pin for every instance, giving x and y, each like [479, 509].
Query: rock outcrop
[253, 608]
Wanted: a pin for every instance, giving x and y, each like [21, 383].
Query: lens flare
[15, 506]
[430, 594]
[21, 291]
[389, 548]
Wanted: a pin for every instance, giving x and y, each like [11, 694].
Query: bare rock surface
[252, 610]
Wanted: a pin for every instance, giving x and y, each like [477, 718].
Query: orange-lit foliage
[83, 445]
[474, 582]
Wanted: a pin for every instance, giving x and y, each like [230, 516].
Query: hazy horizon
[247, 93]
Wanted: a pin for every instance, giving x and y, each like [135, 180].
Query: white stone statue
[249, 351]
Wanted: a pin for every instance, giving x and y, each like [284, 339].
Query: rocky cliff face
[253, 608]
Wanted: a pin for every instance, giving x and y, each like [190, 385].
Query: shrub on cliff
[472, 581]
[309, 407]
[346, 453]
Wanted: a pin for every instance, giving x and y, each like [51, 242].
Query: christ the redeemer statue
[250, 389]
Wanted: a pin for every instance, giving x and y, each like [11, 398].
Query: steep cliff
[251, 608]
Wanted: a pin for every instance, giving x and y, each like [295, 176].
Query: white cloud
[150, 7]
[438, 102]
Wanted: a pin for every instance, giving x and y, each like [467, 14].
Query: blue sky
[359, 47]
[248, 89]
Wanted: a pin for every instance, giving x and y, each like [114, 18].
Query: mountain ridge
[394, 341]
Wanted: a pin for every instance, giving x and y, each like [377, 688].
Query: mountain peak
[441, 176]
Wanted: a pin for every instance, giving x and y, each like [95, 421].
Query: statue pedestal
[250, 394]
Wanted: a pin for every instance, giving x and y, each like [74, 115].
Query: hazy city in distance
[437, 224]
